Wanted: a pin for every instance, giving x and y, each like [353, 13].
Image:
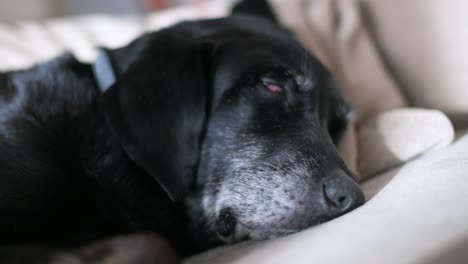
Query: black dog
[214, 131]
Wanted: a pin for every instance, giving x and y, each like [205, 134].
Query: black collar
[103, 70]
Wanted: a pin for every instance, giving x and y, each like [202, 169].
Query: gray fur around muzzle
[271, 192]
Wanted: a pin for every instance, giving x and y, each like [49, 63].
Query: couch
[401, 65]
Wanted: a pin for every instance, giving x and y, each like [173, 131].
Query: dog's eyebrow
[304, 83]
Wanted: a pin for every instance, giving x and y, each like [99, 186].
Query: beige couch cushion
[390, 139]
[396, 136]
[424, 43]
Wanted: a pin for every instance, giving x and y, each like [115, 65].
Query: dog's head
[234, 118]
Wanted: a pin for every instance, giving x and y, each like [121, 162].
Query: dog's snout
[341, 193]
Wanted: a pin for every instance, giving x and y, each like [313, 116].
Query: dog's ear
[158, 106]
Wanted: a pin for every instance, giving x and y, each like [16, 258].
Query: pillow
[424, 43]
[394, 137]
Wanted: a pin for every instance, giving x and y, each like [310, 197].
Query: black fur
[77, 165]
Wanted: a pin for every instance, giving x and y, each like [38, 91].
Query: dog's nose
[341, 193]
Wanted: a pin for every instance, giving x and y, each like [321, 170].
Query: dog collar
[103, 70]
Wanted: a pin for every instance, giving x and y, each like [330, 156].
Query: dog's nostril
[341, 200]
[226, 222]
[334, 198]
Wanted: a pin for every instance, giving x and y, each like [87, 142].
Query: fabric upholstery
[396, 136]
[424, 42]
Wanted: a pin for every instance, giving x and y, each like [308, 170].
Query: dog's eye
[273, 84]
[273, 88]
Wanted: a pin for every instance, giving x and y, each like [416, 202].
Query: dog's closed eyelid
[276, 85]
[272, 87]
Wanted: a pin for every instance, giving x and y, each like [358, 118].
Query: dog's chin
[243, 233]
